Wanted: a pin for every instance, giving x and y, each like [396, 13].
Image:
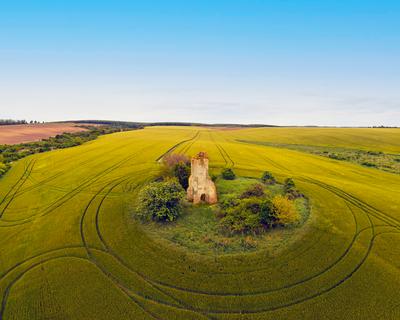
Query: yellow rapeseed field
[70, 249]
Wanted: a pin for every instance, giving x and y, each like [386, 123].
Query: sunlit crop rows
[69, 248]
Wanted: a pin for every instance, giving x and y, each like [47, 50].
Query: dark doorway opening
[203, 197]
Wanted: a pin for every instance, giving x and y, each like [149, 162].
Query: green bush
[249, 215]
[160, 201]
[268, 178]
[229, 201]
[288, 185]
[267, 214]
[241, 219]
[228, 174]
[178, 166]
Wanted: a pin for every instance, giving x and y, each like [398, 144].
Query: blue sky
[286, 62]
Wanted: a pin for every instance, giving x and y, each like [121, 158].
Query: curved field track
[69, 248]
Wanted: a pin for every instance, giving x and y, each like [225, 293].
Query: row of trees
[112, 123]
[6, 122]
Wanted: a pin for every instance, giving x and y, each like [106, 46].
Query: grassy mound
[199, 228]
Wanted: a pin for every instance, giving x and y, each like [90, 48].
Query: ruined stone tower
[201, 187]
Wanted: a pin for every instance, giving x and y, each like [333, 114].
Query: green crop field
[70, 249]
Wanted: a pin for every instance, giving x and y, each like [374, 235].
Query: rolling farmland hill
[69, 248]
[13, 134]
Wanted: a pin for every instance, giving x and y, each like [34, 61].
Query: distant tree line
[188, 124]
[35, 122]
[6, 122]
[112, 123]
[151, 124]
[383, 127]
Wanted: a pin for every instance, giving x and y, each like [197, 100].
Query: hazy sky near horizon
[284, 62]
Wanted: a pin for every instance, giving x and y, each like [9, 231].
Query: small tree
[182, 172]
[290, 190]
[267, 213]
[178, 166]
[288, 185]
[228, 174]
[268, 178]
[161, 201]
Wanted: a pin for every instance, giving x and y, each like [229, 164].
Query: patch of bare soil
[13, 134]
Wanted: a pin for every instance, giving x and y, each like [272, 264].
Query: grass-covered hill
[70, 248]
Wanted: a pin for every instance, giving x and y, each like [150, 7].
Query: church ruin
[201, 187]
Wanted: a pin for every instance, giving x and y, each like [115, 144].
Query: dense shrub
[243, 218]
[268, 178]
[228, 174]
[284, 210]
[161, 201]
[182, 172]
[255, 190]
[267, 214]
[178, 166]
[228, 202]
[248, 215]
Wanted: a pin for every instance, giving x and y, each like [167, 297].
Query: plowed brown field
[12, 134]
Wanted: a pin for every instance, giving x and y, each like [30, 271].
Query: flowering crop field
[70, 249]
